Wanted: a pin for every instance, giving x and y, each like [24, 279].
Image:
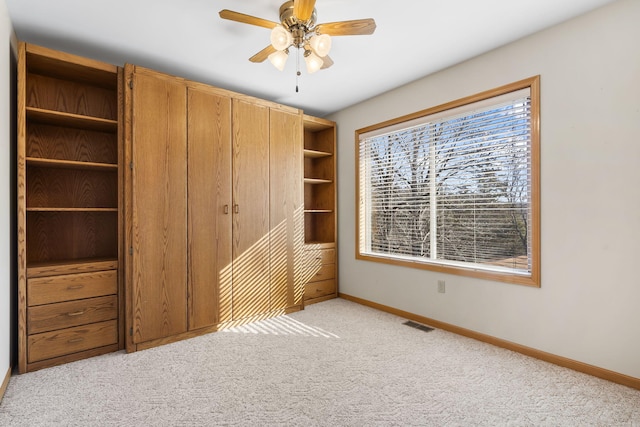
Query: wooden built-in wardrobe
[152, 208]
[216, 207]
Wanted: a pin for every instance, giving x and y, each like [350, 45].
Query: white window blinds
[451, 188]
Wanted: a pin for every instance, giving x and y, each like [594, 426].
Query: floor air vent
[418, 326]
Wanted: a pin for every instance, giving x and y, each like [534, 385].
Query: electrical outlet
[441, 287]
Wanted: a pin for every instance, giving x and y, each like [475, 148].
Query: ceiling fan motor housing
[289, 21]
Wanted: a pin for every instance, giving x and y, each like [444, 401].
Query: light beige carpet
[334, 364]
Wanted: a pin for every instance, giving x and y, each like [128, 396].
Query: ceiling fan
[297, 28]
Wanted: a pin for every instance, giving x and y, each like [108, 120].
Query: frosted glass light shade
[314, 62]
[281, 38]
[321, 44]
[278, 59]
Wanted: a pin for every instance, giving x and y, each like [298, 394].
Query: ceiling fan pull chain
[297, 67]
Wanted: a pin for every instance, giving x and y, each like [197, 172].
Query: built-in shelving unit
[320, 208]
[69, 192]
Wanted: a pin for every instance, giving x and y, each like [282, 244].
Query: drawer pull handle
[76, 313]
[226, 209]
[75, 340]
[319, 257]
[74, 287]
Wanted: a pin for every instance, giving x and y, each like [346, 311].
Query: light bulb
[278, 59]
[281, 38]
[321, 44]
[314, 62]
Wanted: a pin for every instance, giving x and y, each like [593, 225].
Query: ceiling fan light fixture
[321, 44]
[313, 61]
[281, 38]
[279, 59]
[297, 29]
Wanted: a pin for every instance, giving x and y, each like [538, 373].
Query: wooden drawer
[50, 317]
[325, 256]
[319, 289]
[72, 340]
[47, 290]
[326, 272]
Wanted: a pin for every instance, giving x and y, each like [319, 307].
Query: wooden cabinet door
[209, 211]
[286, 208]
[159, 206]
[250, 209]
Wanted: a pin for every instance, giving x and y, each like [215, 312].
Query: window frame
[533, 279]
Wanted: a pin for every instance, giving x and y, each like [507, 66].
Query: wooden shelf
[314, 154]
[58, 118]
[316, 181]
[70, 164]
[69, 198]
[318, 211]
[69, 266]
[316, 244]
[66, 66]
[72, 209]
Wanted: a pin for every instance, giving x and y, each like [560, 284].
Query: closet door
[286, 208]
[209, 212]
[250, 209]
[159, 206]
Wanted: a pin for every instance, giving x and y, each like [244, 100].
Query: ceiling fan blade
[263, 54]
[246, 19]
[302, 9]
[326, 62]
[358, 27]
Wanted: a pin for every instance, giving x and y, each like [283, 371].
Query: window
[455, 188]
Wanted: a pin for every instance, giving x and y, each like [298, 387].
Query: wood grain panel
[159, 205]
[71, 188]
[21, 217]
[286, 206]
[71, 267]
[319, 196]
[209, 205]
[121, 219]
[251, 209]
[63, 143]
[319, 289]
[326, 272]
[319, 167]
[55, 361]
[64, 236]
[319, 227]
[50, 317]
[325, 256]
[47, 290]
[67, 192]
[67, 96]
[66, 66]
[57, 343]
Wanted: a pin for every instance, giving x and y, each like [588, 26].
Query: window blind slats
[475, 161]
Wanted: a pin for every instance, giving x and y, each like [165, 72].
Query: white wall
[6, 37]
[588, 308]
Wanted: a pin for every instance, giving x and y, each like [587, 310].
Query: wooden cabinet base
[198, 332]
[319, 299]
[71, 357]
[319, 291]
[48, 345]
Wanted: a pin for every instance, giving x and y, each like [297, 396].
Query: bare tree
[479, 175]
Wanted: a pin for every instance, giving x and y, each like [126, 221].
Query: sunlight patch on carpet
[281, 325]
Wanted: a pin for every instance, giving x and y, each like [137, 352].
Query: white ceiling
[187, 38]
